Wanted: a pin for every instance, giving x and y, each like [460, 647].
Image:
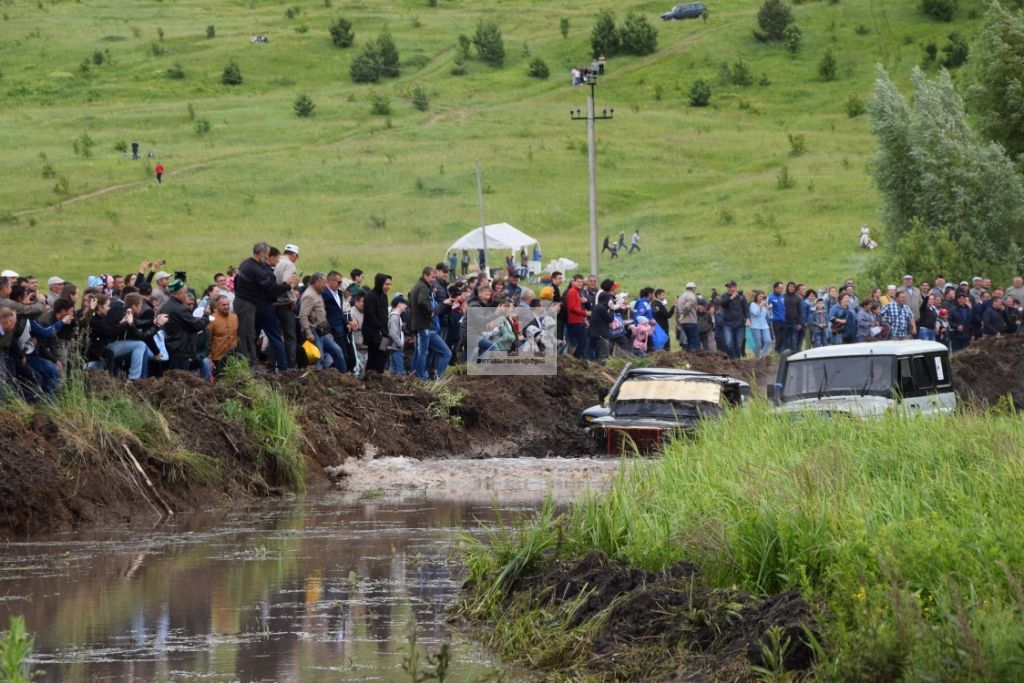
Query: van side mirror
[602, 394]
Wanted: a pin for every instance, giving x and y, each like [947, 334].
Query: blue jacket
[778, 303]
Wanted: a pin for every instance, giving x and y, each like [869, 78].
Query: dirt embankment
[59, 470]
[990, 370]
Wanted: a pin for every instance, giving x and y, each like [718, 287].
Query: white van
[867, 379]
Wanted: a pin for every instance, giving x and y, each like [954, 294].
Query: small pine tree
[389, 60]
[773, 18]
[539, 69]
[176, 72]
[700, 93]
[490, 46]
[793, 39]
[304, 106]
[956, 51]
[604, 38]
[463, 46]
[419, 99]
[828, 67]
[942, 10]
[563, 26]
[855, 106]
[211, 31]
[380, 104]
[637, 36]
[232, 74]
[341, 32]
[458, 65]
[366, 67]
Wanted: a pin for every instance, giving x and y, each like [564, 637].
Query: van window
[922, 374]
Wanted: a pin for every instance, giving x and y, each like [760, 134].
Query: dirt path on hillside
[102, 191]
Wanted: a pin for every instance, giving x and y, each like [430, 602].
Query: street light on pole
[591, 80]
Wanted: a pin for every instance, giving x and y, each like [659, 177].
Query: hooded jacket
[375, 313]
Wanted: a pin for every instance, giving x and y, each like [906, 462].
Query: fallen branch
[145, 478]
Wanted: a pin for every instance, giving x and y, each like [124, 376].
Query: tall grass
[15, 648]
[906, 530]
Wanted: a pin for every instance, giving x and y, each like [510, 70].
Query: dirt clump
[990, 369]
[670, 625]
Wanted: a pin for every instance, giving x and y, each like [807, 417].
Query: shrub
[176, 72]
[939, 9]
[828, 66]
[797, 144]
[539, 69]
[83, 145]
[49, 172]
[773, 18]
[463, 46]
[304, 106]
[98, 57]
[956, 51]
[740, 73]
[862, 30]
[604, 38]
[389, 61]
[366, 67]
[211, 31]
[793, 39]
[419, 99]
[784, 181]
[700, 93]
[563, 26]
[931, 53]
[458, 65]
[341, 32]
[232, 74]
[380, 104]
[855, 106]
[489, 44]
[637, 36]
[292, 12]
[119, 146]
[156, 49]
[202, 126]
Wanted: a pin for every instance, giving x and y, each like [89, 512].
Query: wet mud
[991, 370]
[669, 625]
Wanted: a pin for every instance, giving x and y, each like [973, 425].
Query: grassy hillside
[392, 192]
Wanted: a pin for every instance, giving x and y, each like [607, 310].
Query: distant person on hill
[606, 247]
[622, 239]
[634, 244]
[159, 173]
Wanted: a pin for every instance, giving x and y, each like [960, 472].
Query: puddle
[325, 589]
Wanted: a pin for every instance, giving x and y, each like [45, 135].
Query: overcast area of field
[391, 193]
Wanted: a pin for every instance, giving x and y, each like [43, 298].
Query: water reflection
[313, 591]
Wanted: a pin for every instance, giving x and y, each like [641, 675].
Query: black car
[692, 10]
[646, 406]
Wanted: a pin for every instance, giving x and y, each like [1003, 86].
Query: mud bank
[78, 462]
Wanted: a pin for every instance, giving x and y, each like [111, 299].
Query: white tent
[499, 236]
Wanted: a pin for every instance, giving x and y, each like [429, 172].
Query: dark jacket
[336, 317]
[662, 315]
[421, 306]
[181, 329]
[960, 316]
[375, 313]
[255, 283]
[601, 317]
[993, 322]
[734, 309]
[794, 309]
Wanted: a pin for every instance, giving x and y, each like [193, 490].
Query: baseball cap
[94, 281]
[175, 286]
[691, 285]
[730, 283]
[442, 266]
[291, 248]
[54, 281]
[398, 299]
[161, 275]
[9, 273]
[949, 285]
[514, 274]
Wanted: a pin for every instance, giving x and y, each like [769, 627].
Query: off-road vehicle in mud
[866, 379]
[646, 406]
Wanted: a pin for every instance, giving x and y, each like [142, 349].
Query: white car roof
[880, 348]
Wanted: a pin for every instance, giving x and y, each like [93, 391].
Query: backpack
[617, 328]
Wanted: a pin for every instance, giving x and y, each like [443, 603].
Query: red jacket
[575, 314]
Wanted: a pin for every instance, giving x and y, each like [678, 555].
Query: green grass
[15, 649]
[905, 530]
[324, 182]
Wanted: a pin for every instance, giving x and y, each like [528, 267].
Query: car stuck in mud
[646, 406]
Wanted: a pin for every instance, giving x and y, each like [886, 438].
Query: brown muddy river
[325, 588]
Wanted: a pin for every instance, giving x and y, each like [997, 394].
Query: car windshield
[843, 376]
[667, 398]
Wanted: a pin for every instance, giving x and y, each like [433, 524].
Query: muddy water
[324, 589]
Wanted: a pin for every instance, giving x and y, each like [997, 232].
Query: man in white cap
[11, 276]
[160, 282]
[56, 286]
[686, 318]
[913, 296]
[285, 304]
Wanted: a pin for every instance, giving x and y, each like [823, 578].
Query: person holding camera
[181, 327]
[735, 318]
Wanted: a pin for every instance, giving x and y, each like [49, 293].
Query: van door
[926, 384]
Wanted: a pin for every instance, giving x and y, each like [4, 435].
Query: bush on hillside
[211, 31]
[828, 67]
[490, 47]
[773, 18]
[380, 104]
[176, 72]
[700, 93]
[942, 10]
[366, 67]
[539, 68]
[458, 65]
[793, 39]
[563, 26]
[304, 106]
[232, 74]
[855, 106]
[463, 46]
[637, 36]
[341, 32]
[739, 73]
[604, 38]
[389, 61]
[419, 99]
[956, 51]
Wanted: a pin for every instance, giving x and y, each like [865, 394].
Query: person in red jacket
[159, 172]
[576, 319]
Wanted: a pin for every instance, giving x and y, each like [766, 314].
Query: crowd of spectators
[265, 314]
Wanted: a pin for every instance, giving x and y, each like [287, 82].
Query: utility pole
[483, 226]
[591, 117]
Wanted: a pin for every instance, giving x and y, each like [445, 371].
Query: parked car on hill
[646, 406]
[692, 10]
[866, 379]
